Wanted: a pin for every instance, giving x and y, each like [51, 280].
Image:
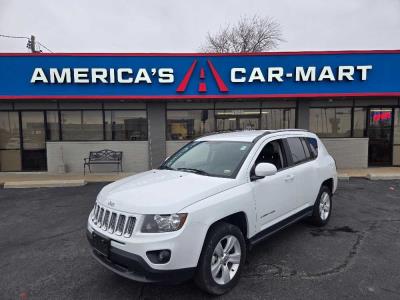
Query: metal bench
[103, 157]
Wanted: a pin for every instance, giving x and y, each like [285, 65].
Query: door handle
[289, 178]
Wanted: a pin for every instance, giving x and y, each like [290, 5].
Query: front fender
[212, 209]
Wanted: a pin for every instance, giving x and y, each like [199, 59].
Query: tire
[213, 256]
[323, 207]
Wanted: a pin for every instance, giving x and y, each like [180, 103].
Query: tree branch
[254, 34]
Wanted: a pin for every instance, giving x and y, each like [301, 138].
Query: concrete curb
[43, 183]
[372, 176]
[344, 177]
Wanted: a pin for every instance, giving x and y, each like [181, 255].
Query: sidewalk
[44, 179]
[378, 173]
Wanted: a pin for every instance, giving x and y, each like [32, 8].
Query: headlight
[163, 223]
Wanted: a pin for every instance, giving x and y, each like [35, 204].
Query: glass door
[380, 132]
[33, 141]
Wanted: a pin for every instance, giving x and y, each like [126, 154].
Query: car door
[273, 194]
[313, 172]
[299, 160]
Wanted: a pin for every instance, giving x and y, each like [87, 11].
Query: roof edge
[269, 53]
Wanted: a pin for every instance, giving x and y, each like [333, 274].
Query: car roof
[245, 135]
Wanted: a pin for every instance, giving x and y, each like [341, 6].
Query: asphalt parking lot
[44, 252]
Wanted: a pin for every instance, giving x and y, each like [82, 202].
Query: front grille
[113, 222]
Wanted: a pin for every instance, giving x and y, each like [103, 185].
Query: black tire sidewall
[203, 277]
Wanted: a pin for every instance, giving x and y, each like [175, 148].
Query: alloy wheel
[324, 206]
[225, 260]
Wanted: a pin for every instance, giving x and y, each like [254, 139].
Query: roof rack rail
[277, 130]
[292, 129]
[256, 139]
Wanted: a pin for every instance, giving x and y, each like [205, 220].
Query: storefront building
[56, 108]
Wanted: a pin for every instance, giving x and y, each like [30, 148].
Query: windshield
[216, 158]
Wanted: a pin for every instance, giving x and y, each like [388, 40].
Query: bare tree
[255, 34]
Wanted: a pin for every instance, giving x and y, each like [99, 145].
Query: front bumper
[134, 267]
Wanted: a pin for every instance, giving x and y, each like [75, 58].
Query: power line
[44, 47]
[14, 37]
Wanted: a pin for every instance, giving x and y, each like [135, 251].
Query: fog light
[159, 256]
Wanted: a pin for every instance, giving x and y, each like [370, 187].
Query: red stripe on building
[202, 87]
[202, 74]
[182, 86]
[221, 85]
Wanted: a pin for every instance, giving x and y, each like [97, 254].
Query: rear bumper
[134, 267]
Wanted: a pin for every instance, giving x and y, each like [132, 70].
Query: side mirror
[265, 169]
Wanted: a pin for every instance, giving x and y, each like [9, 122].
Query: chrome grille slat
[113, 222]
[93, 213]
[104, 224]
[120, 225]
[129, 226]
[96, 213]
[100, 219]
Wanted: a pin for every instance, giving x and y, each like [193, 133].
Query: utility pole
[33, 47]
[32, 44]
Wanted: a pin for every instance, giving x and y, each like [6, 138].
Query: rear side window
[305, 147]
[296, 149]
[313, 146]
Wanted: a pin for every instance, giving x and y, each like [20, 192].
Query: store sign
[199, 76]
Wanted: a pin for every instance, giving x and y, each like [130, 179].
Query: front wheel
[322, 207]
[221, 260]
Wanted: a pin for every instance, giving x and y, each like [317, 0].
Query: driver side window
[272, 153]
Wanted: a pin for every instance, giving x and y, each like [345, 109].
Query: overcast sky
[181, 25]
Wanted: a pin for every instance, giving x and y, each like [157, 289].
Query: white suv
[199, 213]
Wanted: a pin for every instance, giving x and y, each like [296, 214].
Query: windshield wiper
[196, 171]
[166, 168]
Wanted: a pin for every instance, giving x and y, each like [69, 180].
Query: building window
[189, 124]
[125, 125]
[10, 154]
[359, 122]
[237, 119]
[331, 122]
[52, 128]
[9, 130]
[85, 125]
[278, 118]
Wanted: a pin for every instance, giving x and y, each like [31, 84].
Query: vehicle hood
[161, 191]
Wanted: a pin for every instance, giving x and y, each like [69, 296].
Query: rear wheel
[221, 260]
[322, 207]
